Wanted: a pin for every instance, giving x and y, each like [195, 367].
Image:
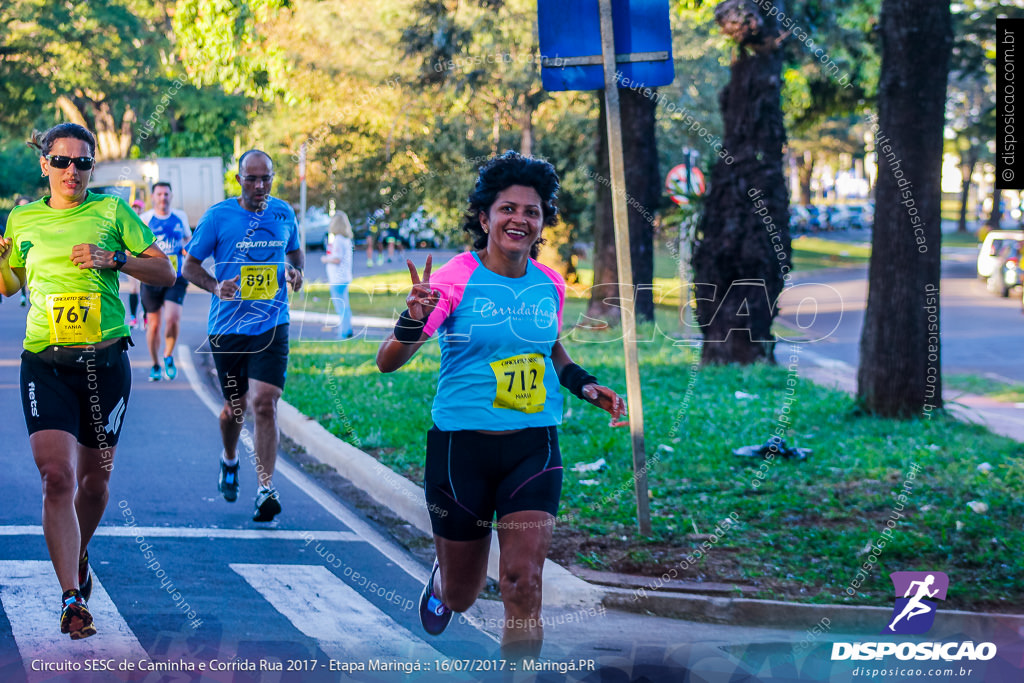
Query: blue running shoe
[169, 368]
[154, 374]
[434, 614]
[227, 484]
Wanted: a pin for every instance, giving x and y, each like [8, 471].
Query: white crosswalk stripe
[29, 594]
[345, 624]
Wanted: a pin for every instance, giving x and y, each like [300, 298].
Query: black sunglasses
[81, 163]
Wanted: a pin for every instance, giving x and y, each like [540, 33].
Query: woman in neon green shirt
[75, 378]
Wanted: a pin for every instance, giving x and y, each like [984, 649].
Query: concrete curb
[405, 499]
[778, 614]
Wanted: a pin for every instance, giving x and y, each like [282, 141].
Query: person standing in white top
[339, 270]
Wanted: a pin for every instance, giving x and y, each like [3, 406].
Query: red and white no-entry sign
[676, 183]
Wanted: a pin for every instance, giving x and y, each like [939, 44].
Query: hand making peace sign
[422, 299]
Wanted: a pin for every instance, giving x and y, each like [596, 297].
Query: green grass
[985, 386]
[804, 528]
[959, 239]
[810, 253]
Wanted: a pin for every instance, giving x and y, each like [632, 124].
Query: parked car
[317, 222]
[419, 231]
[988, 253]
[804, 218]
[798, 219]
[836, 217]
[1006, 275]
[847, 217]
[861, 216]
[816, 218]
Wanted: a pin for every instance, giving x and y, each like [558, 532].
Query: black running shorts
[239, 357]
[471, 477]
[76, 391]
[154, 297]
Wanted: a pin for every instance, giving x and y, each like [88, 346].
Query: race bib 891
[259, 282]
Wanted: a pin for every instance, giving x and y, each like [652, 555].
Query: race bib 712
[519, 383]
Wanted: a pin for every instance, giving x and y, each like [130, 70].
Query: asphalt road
[980, 331]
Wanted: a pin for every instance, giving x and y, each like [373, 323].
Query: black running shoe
[75, 618]
[228, 482]
[434, 614]
[267, 505]
[85, 577]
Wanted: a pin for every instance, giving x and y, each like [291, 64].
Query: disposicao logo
[914, 614]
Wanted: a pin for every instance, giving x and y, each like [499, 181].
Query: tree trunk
[113, 141]
[643, 190]
[526, 122]
[805, 164]
[900, 372]
[742, 246]
[965, 189]
[496, 128]
[995, 216]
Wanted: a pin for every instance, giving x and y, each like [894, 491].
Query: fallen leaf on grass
[978, 507]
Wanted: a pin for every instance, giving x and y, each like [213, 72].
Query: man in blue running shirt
[163, 304]
[254, 242]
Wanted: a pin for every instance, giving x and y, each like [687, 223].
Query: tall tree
[96, 61]
[900, 358]
[738, 275]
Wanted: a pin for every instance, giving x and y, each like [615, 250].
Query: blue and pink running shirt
[496, 334]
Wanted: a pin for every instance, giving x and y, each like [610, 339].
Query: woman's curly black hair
[503, 172]
[43, 142]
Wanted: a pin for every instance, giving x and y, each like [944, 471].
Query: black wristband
[574, 378]
[408, 329]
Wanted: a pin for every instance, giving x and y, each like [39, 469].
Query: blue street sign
[570, 43]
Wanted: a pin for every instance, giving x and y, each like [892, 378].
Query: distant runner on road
[163, 304]
[254, 241]
[75, 377]
[493, 449]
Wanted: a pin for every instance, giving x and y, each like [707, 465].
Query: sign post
[628, 41]
[624, 261]
[302, 197]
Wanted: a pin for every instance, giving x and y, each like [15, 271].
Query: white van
[990, 248]
[197, 183]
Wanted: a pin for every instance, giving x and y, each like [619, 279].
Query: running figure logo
[913, 614]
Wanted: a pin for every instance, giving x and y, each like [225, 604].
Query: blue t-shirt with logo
[251, 246]
[171, 231]
[496, 335]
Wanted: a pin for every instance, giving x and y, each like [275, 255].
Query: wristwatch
[120, 258]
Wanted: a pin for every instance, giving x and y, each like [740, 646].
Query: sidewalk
[1006, 419]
